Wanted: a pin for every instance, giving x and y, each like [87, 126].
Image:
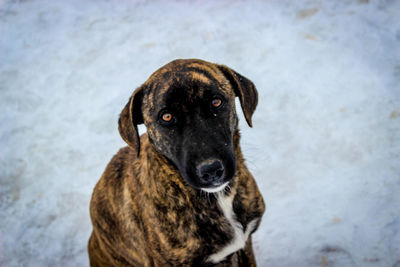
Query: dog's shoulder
[125, 164]
[114, 181]
[120, 175]
[120, 168]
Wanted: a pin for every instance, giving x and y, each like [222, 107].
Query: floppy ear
[130, 117]
[244, 89]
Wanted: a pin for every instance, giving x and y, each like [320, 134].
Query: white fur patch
[216, 189]
[240, 237]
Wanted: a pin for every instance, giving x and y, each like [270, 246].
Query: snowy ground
[325, 147]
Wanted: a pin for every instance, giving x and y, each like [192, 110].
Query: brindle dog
[181, 194]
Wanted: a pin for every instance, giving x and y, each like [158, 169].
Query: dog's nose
[210, 171]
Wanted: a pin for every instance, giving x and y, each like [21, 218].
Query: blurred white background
[325, 146]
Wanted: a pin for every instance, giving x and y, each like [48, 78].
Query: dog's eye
[167, 117]
[216, 102]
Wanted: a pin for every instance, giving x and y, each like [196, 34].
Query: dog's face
[188, 108]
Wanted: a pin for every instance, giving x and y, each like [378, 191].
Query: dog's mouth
[215, 188]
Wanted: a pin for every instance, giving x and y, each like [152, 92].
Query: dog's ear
[244, 89]
[130, 117]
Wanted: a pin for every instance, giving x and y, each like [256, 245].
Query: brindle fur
[143, 211]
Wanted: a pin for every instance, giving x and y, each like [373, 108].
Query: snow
[325, 142]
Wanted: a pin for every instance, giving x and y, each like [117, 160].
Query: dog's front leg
[246, 256]
[241, 258]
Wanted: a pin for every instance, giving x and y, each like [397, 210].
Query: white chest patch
[240, 237]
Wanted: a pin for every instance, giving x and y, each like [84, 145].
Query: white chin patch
[215, 189]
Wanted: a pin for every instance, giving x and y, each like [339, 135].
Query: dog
[181, 194]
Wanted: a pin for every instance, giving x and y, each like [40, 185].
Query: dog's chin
[210, 188]
[215, 189]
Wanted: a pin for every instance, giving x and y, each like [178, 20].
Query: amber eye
[216, 102]
[167, 117]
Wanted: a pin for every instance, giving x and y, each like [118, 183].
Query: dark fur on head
[199, 133]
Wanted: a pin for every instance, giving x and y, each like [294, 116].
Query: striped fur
[144, 209]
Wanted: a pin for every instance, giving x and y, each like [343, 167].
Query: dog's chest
[240, 235]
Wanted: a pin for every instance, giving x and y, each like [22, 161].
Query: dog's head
[188, 108]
